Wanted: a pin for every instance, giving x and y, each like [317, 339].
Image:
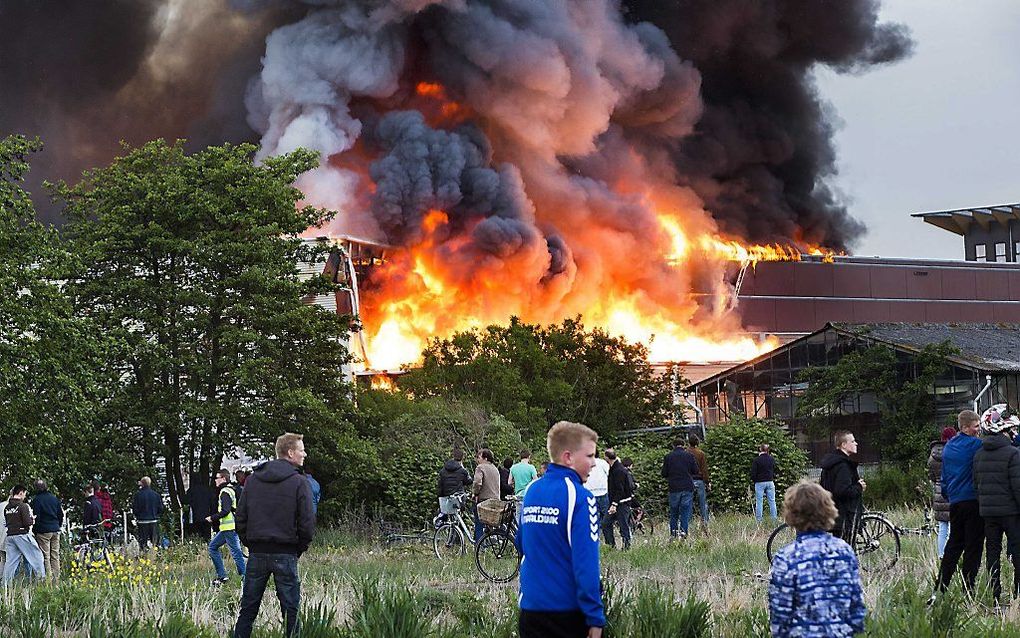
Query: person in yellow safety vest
[223, 520]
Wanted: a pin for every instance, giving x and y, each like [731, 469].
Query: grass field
[714, 585]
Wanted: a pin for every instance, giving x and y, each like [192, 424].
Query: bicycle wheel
[449, 541]
[644, 526]
[496, 556]
[778, 539]
[876, 543]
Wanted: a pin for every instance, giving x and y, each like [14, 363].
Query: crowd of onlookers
[32, 527]
[578, 497]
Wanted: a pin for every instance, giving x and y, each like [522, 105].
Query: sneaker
[216, 582]
[931, 601]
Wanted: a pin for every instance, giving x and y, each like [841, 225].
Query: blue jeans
[602, 503]
[680, 506]
[761, 490]
[479, 527]
[699, 489]
[228, 538]
[283, 569]
[943, 537]
[23, 548]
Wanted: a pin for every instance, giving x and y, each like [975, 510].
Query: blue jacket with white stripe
[559, 538]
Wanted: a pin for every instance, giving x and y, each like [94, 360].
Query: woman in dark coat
[939, 502]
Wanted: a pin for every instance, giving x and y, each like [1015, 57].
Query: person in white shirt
[598, 485]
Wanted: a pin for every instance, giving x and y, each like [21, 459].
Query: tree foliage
[51, 358]
[189, 263]
[731, 448]
[536, 376]
[903, 392]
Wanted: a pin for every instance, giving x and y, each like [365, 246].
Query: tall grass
[712, 585]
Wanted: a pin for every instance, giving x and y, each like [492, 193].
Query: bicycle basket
[490, 512]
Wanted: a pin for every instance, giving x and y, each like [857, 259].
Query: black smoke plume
[762, 152]
[85, 75]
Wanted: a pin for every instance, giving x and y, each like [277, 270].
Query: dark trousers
[995, 527]
[148, 534]
[621, 516]
[283, 569]
[966, 536]
[552, 624]
[602, 503]
[201, 529]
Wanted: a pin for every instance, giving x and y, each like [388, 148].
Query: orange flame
[383, 382]
[422, 297]
[449, 110]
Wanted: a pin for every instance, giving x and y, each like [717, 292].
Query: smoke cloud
[761, 154]
[85, 75]
[542, 158]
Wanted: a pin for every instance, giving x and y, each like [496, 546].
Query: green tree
[902, 387]
[51, 358]
[189, 262]
[537, 375]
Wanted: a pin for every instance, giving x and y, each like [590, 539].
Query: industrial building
[986, 366]
[822, 309]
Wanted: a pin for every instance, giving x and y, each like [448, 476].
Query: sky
[938, 131]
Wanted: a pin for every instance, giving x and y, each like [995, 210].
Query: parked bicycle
[93, 549]
[496, 554]
[640, 522]
[876, 541]
[392, 534]
[453, 535]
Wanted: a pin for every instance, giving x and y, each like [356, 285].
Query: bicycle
[392, 534]
[876, 542]
[496, 553]
[640, 522]
[93, 550]
[453, 534]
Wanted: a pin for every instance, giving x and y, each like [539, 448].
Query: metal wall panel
[813, 280]
[888, 283]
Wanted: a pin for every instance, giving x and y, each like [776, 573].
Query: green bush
[730, 450]
[410, 462]
[893, 486]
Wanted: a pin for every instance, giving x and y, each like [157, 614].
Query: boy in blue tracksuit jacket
[561, 593]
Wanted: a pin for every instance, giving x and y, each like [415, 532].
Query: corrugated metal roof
[988, 347]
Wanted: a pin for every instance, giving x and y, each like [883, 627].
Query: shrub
[730, 450]
[892, 486]
[410, 462]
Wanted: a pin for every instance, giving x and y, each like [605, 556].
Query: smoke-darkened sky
[832, 146]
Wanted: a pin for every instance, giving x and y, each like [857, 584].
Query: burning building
[532, 158]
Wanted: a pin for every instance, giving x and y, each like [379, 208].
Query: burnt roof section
[984, 347]
[960, 220]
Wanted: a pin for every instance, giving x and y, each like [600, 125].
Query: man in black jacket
[621, 493]
[453, 478]
[763, 480]
[276, 522]
[841, 478]
[997, 483]
[679, 468]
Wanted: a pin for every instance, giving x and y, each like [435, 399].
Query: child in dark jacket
[815, 588]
